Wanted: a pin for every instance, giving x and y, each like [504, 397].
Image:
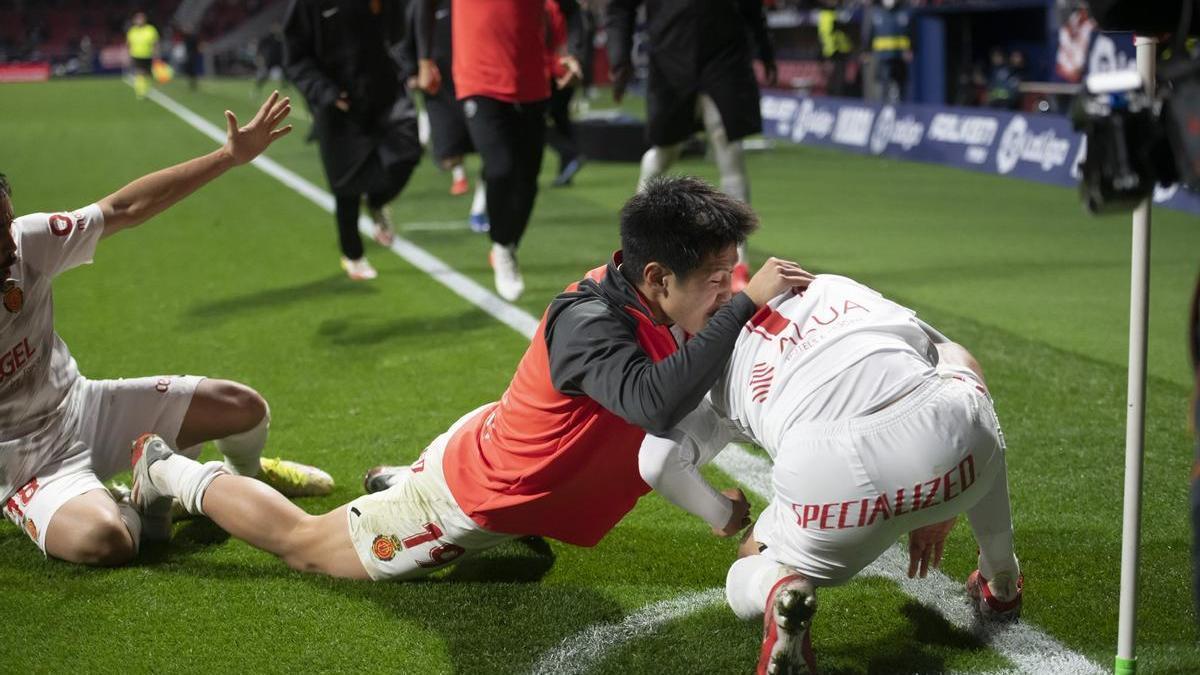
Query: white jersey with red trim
[36, 369]
[804, 358]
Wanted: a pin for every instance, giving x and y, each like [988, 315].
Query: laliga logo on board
[885, 122]
[811, 120]
[854, 125]
[1017, 143]
[906, 132]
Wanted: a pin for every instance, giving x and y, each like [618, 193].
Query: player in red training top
[631, 348]
[500, 76]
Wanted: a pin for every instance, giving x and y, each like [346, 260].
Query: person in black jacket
[343, 55]
[700, 69]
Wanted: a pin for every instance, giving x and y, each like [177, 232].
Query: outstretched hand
[245, 143]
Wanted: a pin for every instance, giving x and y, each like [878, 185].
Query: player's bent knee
[105, 543]
[955, 354]
[245, 406]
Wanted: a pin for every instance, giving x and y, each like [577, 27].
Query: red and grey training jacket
[558, 454]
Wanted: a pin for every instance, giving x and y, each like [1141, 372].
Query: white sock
[991, 523]
[242, 451]
[479, 202]
[457, 172]
[731, 160]
[185, 479]
[748, 585]
[132, 520]
[656, 161]
[424, 128]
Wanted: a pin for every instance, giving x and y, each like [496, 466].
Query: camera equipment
[1134, 140]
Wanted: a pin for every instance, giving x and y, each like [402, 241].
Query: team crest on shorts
[384, 547]
[31, 529]
[14, 297]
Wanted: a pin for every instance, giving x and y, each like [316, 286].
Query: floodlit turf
[241, 282]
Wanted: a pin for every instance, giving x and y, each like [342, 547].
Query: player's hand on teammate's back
[740, 518]
[925, 546]
[774, 277]
[245, 143]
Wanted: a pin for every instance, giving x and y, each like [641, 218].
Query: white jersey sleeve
[671, 464]
[52, 243]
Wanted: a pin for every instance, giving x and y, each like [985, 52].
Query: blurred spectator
[1005, 79]
[972, 86]
[191, 57]
[268, 59]
[891, 48]
[835, 48]
[1074, 37]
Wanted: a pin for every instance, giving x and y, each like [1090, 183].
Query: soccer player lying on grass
[558, 454]
[877, 426]
[61, 434]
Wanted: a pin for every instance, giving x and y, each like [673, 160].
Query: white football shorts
[416, 527]
[89, 443]
[846, 491]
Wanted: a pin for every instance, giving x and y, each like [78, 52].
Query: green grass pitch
[241, 281]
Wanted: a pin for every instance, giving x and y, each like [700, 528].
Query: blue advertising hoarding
[1038, 147]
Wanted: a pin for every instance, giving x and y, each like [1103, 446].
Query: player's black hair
[678, 221]
[5, 188]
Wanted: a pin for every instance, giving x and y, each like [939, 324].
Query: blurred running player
[142, 42]
[345, 57]
[451, 140]
[500, 77]
[61, 434]
[557, 456]
[877, 426]
[701, 72]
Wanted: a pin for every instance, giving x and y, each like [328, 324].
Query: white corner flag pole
[1135, 419]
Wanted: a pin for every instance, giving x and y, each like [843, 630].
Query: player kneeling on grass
[877, 426]
[61, 434]
[557, 456]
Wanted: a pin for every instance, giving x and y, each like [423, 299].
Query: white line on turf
[1028, 648]
[588, 648]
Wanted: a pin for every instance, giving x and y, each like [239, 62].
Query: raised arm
[593, 353]
[150, 195]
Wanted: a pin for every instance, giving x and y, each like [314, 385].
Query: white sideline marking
[1027, 647]
[587, 648]
[517, 319]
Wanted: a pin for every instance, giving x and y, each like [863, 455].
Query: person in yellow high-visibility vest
[891, 48]
[142, 40]
[835, 48]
